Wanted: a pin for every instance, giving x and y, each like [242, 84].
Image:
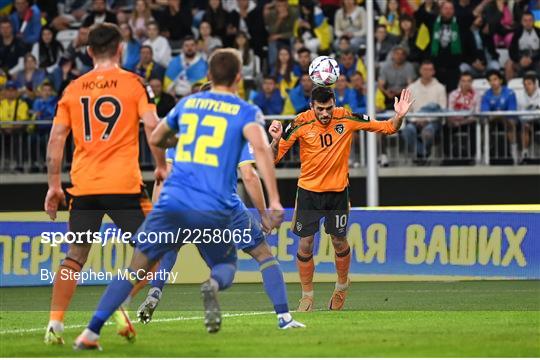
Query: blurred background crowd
[479, 55]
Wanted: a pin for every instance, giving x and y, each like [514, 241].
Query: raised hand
[402, 106]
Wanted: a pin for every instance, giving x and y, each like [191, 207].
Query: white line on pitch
[179, 318]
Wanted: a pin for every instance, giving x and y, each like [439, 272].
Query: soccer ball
[324, 71]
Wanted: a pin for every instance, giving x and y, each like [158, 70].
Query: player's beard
[324, 121]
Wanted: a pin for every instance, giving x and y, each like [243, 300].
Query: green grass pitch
[420, 319]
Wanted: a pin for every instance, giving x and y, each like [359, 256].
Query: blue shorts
[244, 220]
[173, 223]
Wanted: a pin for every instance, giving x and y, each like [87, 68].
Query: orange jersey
[325, 149]
[103, 108]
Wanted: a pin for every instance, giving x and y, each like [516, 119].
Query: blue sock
[115, 294]
[274, 285]
[223, 274]
[165, 266]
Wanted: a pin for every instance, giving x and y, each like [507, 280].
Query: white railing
[480, 142]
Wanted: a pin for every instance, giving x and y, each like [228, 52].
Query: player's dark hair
[224, 65]
[322, 94]
[104, 39]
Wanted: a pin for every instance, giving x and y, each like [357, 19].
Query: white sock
[90, 335]
[307, 293]
[342, 287]
[285, 316]
[57, 326]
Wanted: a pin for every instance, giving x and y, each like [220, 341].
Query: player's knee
[223, 274]
[261, 252]
[78, 253]
[340, 243]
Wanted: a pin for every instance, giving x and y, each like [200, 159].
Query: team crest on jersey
[340, 128]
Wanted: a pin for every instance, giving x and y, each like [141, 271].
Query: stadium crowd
[440, 49]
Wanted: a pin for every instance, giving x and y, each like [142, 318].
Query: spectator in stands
[427, 13]
[70, 11]
[12, 49]
[525, 49]
[395, 76]
[63, 74]
[383, 44]
[464, 11]
[464, 98]
[30, 78]
[429, 96]
[47, 50]
[312, 27]
[147, 68]
[498, 16]
[449, 44]
[77, 52]
[99, 14]
[131, 48]
[164, 102]
[357, 82]
[218, 18]
[343, 44]
[185, 69]
[269, 99]
[304, 60]
[345, 96]
[26, 21]
[350, 21]
[279, 20]
[329, 8]
[283, 71]
[250, 62]
[206, 42]
[140, 18]
[298, 99]
[349, 64]
[408, 39]
[44, 108]
[391, 18]
[529, 100]
[12, 108]
[501, 98]
[49, 10]
[247, 17]
[175, 21]
[160, 46]
[484, 56]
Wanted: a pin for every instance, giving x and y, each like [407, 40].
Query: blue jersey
[506, 100]
[210, 142]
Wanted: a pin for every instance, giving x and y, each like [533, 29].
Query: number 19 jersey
[210, 141]
[103, 108]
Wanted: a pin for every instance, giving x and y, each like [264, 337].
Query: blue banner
[403, 244]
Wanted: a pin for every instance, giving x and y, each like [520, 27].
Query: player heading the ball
[325, 135]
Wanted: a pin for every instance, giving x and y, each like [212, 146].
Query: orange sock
[142, 284]
[343, 262]
[306, 268]
[64, 288]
